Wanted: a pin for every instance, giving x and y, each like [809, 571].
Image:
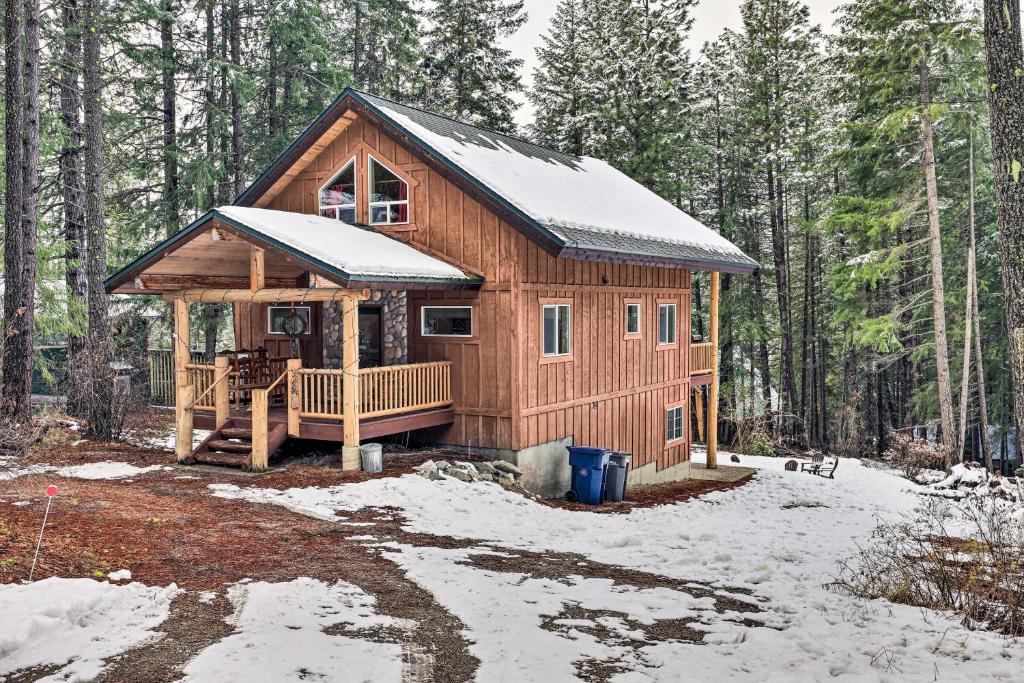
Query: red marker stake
[51, 491]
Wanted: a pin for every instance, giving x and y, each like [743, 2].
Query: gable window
[338, 196]
[389, 196]
[446, 321]
[666, 324]
[632, 319]
[557, 323]
[674, 424]
[293, 321]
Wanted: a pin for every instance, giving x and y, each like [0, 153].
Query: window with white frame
[632, 318]
[293, 321]
[446, 321]
[674, 423]
[666, 323]
[338, 196]
[389, 196]
[557, 329]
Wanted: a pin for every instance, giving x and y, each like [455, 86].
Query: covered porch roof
[299, 251]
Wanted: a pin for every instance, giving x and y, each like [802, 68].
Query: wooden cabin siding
[613, 393]
[251, 333]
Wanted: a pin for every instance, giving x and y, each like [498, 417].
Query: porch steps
[231, 445]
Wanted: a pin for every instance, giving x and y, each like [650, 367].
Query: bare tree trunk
[211, 120]
[168, 72]
[237, 126]
[1005, 58]
[938, 288]
[965, 379]
[972, 285]
[787, 380]
[101, 380]
[73, 194]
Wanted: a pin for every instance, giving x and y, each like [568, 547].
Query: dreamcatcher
[294, 325]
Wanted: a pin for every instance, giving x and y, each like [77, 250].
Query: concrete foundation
[545, 467]
[650, 474]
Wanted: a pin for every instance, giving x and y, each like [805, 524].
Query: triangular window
[389, 196]
[338, 196]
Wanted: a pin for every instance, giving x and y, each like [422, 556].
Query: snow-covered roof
[584, 203]
[357, 252]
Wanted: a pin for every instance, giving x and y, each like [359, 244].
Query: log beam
[258, 269]
[184, 393]
[286, 295]
[712, 425]
[350, 382]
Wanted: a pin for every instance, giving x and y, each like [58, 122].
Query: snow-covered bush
[967, 557]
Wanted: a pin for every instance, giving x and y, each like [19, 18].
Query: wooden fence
[161, 375]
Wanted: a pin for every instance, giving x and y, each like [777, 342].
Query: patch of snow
[206, 597]
[107, 469]
[346, 247]
[279, 636]
[20, 503]
[168, 441]
[76, 623]
[120, 575]
[6, 475]
[763, 537]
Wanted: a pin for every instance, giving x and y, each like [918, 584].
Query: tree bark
[237, 125]
[73, 194]
[972, 275]
[938, 288]
[101, 381]
[1005, 60]
[168, 73]
[787, 380]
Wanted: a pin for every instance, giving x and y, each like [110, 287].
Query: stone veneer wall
[394, 319]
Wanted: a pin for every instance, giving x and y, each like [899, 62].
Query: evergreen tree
[469, 75]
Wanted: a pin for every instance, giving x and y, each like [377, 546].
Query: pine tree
[470, 76]
[385, 47]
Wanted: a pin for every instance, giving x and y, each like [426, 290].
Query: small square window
[674, 424]
[632, 318]
[288, 320]
[557, 330]
[666, 323]
[446, 321]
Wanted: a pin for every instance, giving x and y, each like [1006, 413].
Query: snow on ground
[279, 636]
[167, 442]
[780, 536]
[107, 469]
[76, 623]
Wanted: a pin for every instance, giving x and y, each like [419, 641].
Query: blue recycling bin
[588, 468]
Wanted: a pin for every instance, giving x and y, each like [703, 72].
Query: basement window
[446, 321]
[389, 196]
[338, 196]
[557, 322]
[674, 424]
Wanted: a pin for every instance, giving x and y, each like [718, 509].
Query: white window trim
[369, 192]
[675, 329]
[423, 321]
[309, 316]
[639, 314]
[355, 190]
[682, 424]
[567, 352]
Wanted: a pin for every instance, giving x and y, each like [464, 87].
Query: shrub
[911, 456]
[925, 562]
[759, 444]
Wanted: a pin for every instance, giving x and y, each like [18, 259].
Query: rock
[507, 467]
[506, 479]
[485, 468]
[427, 469]
[467, 466]
[461, 474]
[484, 476]
[443, 465]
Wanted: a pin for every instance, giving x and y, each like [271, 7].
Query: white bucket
[372, 455]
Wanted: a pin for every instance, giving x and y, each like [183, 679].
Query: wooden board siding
[614, 391]
[251, 333]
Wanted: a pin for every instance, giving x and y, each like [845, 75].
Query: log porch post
[221, 397]
[712, 426]
[294, 395]
[350, 381]
[184, 393]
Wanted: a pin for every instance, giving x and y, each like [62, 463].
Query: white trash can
[372, 455]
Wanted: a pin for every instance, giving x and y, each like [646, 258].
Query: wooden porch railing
[702, 358]
[200, 376]
[389, 390]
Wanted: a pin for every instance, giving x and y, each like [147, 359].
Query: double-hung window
[632, 319]
[674, 424]
[666, 324]
[557, 330]
[338, 196]
[389, 196]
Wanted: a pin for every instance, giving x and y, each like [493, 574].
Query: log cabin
[395, 271]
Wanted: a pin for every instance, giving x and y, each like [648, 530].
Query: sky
[710, 17]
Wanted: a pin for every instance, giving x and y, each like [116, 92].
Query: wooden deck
[321, 429]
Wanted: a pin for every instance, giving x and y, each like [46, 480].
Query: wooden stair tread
[229, 446]
[232, 459]
[236, 433]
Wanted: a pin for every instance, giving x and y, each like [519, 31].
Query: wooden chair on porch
[250, 369]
